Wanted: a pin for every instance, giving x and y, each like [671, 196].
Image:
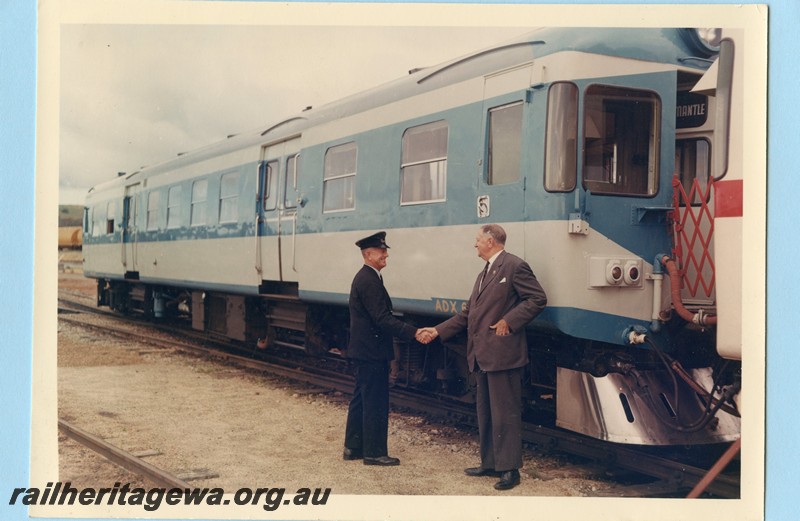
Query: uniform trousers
[499, 407]
[368, 414]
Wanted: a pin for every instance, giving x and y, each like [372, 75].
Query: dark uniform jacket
[372, 324]
[510, 291]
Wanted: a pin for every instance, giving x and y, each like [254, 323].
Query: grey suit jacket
[511, 292]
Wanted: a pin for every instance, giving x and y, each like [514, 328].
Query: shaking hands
[426, 335]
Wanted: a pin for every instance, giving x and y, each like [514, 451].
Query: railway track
[122, 458]
[668, 476]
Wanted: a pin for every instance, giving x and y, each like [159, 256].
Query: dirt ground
[247, 429]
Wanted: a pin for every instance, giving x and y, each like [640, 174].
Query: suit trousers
[499, 406]
[368, 414]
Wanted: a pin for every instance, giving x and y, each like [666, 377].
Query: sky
[136, 95]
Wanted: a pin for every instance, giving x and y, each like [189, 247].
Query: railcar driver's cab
[620, 146]
[608, 157]
[618, 139]
[612, 149]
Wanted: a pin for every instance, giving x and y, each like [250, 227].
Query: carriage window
[561, 148]
[290, 190]
[340, 178]
[621, 140]
[98, 220]
[152, 210]
[229, 198]
[173, 207]
[693, 162]
[505, 144]
[423, 168]
[111, 211]
[199, 196]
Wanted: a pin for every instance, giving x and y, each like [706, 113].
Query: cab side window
[561, 146]
[621, 141]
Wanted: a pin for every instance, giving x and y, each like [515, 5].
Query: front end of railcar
[679, 378]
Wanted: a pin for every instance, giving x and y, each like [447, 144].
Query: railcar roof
[663, 45]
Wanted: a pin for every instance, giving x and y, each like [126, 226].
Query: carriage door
[501, 193]
[277, 207]
[129, 230]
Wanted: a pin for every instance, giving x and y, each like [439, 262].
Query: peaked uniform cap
[377, 240]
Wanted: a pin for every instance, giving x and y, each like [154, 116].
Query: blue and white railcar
[569, 138]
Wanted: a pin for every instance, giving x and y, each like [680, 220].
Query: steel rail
[122, 458]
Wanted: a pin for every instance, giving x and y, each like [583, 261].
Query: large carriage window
[173, 207]
[621, 146]
[693, 162]
[505, 144]
[290, 190]
[229, 198]
[199, 196]
[340, 178]
[152, 210]
[561, 146]
[423, 169]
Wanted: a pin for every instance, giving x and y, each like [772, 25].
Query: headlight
[710, 36]
[704, 39]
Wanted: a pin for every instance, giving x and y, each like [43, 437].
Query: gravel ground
[247, 429]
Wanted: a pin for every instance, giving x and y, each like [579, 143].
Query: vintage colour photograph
[399, 261]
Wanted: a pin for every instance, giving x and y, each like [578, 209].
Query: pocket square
[502, 280]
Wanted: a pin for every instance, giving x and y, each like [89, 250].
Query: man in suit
[506, 296]
[372, 327]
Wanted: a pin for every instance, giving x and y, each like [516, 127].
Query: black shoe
[382, 460]
[478, 471]
[508, 479]
[351, 454]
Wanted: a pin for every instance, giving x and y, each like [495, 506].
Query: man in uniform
[372, 328]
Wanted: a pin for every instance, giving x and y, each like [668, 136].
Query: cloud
[136, 95]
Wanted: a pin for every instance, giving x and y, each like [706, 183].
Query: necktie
[485, 271]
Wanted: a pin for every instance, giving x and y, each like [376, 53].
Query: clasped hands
[426, 335]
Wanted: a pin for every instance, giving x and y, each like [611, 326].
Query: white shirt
[489, 265]
[494, 258]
